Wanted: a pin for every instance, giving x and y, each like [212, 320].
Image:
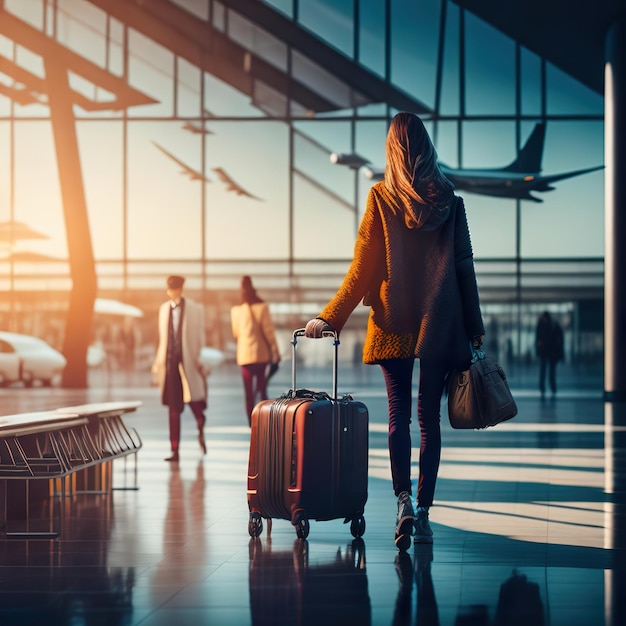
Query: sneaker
[404, 521]
[423, 531]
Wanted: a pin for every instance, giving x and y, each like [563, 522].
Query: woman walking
[253, 330]
[413, 265]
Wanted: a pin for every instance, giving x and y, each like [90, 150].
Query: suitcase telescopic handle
[300, 332]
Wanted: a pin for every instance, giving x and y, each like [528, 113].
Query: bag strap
[259, 329]
[477, 355]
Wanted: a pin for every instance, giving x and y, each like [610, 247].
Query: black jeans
[398, 375]
[551, 367]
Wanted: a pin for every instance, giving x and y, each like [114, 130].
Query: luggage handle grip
[300, 332]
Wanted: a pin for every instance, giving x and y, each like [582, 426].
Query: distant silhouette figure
[549, 344]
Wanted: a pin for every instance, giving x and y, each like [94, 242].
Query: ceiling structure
[114, 92]
[570, 34]
[319, 80]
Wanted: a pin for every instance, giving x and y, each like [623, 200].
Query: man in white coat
[177, 363]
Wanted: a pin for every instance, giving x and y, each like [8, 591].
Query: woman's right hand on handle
[316, 327]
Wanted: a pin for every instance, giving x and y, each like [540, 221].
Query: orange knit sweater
[419, 283]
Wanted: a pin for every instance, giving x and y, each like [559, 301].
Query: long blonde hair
[412, 172]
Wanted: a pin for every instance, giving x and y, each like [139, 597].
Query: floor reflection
[427, 613]
[50, 582]
[286, 589]
[530, 529]
[519, 599]
[184, 518]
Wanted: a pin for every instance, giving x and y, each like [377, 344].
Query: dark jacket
[549, 338]
[419, 282]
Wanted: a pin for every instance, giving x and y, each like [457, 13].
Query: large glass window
[165, 182]
[567, 96]
[284, 6]
[531, 82]
[151, 71]
[489, 69]
[233, 165]
[103, 181]
[450, 80]
[199, 8]
[247, 213]
[331, 20]
[575, 208]
[36, 187]
[372, 34]
[5, 174]
[414, 37]
[81, 26]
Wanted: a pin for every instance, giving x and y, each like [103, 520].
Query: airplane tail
[530, 156]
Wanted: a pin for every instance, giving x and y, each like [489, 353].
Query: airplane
[197, 130]
[516, 180]
[193, 174]
[353, 161]
[231, 185]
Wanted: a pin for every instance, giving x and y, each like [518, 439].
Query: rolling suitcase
[308, 457]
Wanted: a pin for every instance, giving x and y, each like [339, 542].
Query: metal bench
[39, 446]
[112, 439]
[72, 448]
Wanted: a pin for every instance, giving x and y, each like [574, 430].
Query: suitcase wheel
[255, 525]
[302, 525]
[357, 526]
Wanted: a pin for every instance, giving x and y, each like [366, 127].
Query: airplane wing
[503, 183]
[188, 171]
[543, 182]
[231, 185]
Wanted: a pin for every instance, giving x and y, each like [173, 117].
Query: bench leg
[17, 504]
[96, 479]
[134, 486]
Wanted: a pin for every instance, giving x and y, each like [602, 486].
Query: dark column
[615, 518]
[615, 213]
[78, 326]
[615, 311]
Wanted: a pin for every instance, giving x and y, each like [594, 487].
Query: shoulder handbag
[479, 397]
[272, 368]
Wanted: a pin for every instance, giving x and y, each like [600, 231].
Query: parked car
[28, 359]
[210, 358]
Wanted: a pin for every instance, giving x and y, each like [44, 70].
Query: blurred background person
[549, 344]
[177, 364]
[257, 349]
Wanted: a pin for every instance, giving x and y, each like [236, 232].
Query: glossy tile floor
[529, 524]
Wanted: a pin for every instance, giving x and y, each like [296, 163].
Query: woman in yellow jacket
[253, 330]
[413, 265]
